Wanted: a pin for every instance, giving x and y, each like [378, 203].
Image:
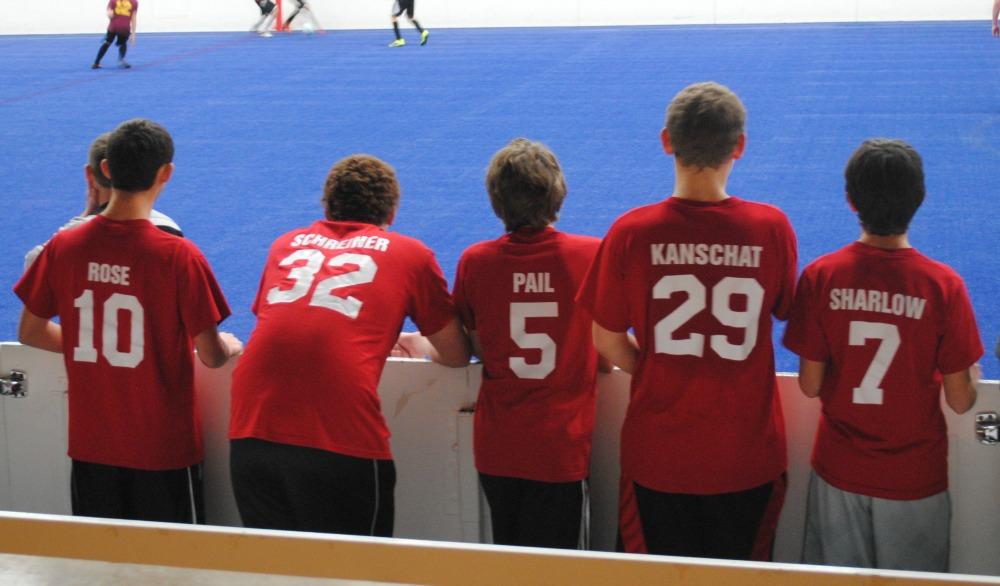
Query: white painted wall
[87, 16]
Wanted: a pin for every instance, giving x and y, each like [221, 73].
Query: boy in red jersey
[121, 14]
[130, 300]
[535, 412]
[698, 276]
[878, 328]
[309, 446]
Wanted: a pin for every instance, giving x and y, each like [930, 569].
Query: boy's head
[137, 151]
[705, 122]
[98, 152]
[885, 184]
[526, 185]
[361, 188]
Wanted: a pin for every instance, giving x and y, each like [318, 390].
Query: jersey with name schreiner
[331, 304]
[887, 323]
[535, 412]
[698, 282]
[121, 14]
[130, 299]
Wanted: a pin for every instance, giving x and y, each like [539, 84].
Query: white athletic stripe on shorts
[583, 542]
[375, 511]
[194, 509]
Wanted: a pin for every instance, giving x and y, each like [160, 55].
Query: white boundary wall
[87, 16]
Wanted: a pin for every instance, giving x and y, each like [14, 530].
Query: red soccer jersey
[535, 412]
[121, 14]
[331, 304]
[887, 323]
[130, 298]
[698, 282]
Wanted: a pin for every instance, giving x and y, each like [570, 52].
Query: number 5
[519, 314]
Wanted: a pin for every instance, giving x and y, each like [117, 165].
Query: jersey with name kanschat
[698, 282]
[331, 304]
[887, 323]
[130, 299]
[535, 412]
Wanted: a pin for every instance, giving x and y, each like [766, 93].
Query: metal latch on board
[988, 427]
[14, 385]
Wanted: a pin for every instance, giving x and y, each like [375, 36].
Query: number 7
[870, 391]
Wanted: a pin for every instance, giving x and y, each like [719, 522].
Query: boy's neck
[124, 205]
[705, 184]
[892, 242]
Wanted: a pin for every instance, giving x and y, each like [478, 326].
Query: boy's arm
[960, 388]
[215, 348]
[447, 346]
[131, 38]
[996, 16]
[618, 348]
[39, 332]
[811, 376]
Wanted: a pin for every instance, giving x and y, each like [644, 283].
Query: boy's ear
[88, 174]
[164, 174]
[850, 203]
[668, 147]
[105, 168]
[741, 145]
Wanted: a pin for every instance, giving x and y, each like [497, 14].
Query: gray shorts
[848, 529]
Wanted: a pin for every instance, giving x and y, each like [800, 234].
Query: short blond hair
[705, 121]
[526, 185]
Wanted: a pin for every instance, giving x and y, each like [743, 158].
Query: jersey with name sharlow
[535, 412]
[887, 323]
[130, 299]
[331, 303]
[698, 282]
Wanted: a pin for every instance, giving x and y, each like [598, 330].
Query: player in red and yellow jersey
[309, 446]
[535, 412]
[878, 327]
[698, 277]
[121, 28]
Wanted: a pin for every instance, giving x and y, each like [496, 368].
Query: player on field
[535, 413]
[98, 196]
[878, 327]
[698, 277]
[398, 8]
[267, 17]
[309, 446]
[121, 27]
[130, 299]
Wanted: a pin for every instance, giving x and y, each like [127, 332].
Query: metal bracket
[15, 385]
[988, 427]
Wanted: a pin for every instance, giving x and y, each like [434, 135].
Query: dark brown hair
[98, 151]
[361, 188]
[525, 184]
[705, 121]
[884, 180]
[136, 151]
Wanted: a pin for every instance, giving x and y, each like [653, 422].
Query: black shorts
[113, 492]
[733, 525]
[538, 514]
[281, 486]
[402, 6]
[121, 36]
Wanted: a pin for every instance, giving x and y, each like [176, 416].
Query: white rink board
[87, 16]
[437, 495]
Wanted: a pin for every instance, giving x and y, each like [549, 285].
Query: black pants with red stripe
[734, 525]
[113, 492]
[281, 486]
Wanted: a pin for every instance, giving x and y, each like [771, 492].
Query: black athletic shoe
[124, 64]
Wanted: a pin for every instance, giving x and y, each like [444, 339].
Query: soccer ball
[308, 28]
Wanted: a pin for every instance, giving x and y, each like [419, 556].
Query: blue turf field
[257, 123]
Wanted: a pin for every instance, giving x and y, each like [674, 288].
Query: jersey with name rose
[887, 323]
[130, 299]
[535, 412]
[331, 304]
[121, 14]
[698, 282]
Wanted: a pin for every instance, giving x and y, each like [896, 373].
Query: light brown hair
[705, 121]
[525, 184]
